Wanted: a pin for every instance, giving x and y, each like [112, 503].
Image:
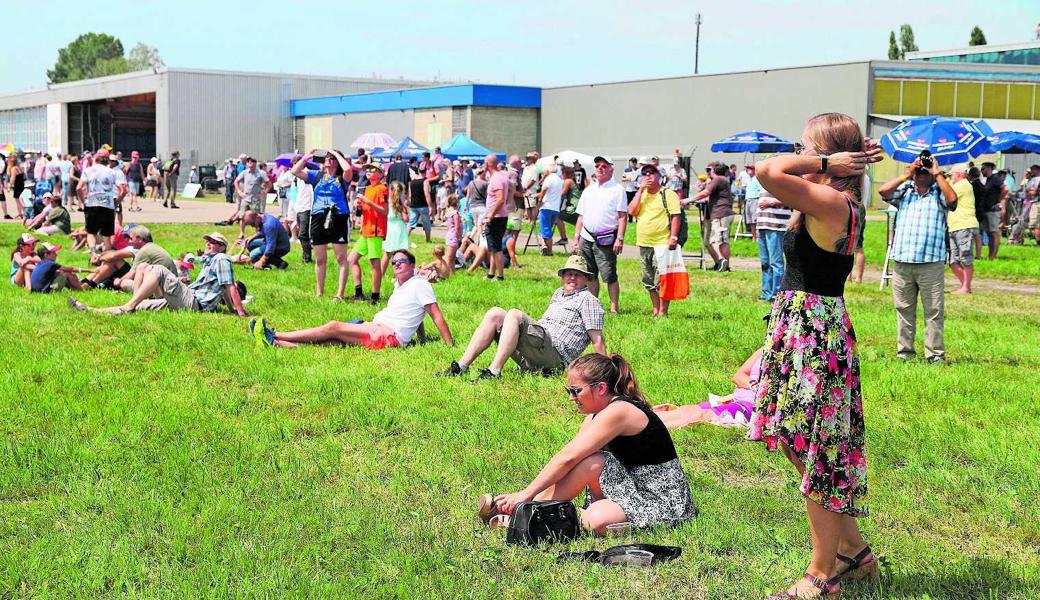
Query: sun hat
[577, 263]
[216, 237]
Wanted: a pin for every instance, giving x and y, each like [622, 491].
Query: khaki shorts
[720, 230]
[534, 350]
[257, 205]
[601, 260]
[175, 295]
[993, 221]
[648, 262]
[962, 244]
[1033, 222]
[515, 221]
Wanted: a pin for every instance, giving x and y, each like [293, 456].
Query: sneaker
[73, 303]
[413, 245]
[453, 370]
[724, 265]
[562, 242]
[262, 334]
[547, 252]
[485, 374]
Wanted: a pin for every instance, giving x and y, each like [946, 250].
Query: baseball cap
[46, 196]
[154, 159]
[959, 169]
[216, 237]
[605, 159]
[27, 238]
[47, 246]
[102, 153]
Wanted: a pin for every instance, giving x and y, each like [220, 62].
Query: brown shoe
[486, 507]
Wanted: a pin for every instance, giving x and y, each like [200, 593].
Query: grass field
[162, 455]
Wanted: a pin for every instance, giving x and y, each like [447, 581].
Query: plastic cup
[631, 558]
[620, 530]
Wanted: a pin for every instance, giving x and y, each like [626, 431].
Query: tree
[977, 37]
[81, 59]
[906, 39]
[893, 47]
[143, 57]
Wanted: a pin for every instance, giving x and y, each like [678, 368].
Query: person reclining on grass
[48, 276]
[622, 455]
[573, 319]
[157, 287]
[113, 272]
[392, 327]
[733, 410]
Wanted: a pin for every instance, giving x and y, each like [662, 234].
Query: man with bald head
[498, 202]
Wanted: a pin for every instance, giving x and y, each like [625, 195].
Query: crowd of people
[798, 392]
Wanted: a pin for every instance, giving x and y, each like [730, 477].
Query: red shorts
[379, 342]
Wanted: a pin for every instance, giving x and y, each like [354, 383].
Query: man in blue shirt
[270, 243]
[921, 198]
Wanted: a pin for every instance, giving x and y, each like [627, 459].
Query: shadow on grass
[975, 578]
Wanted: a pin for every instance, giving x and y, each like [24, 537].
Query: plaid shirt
[209, 285]
[568, 320]
[920, 225]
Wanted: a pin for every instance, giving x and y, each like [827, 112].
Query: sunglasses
[399, 261]
[574, 390]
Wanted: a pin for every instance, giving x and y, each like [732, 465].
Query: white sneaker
[413, 245]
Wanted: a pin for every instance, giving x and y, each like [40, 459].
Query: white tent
[568, 157]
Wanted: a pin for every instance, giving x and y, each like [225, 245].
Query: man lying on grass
[157, 287]
[394, 326]
[573, 319]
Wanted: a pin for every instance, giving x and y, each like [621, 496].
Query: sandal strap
[824, 585]
[856, 561]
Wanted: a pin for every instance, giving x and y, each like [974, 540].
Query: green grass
[163, 455]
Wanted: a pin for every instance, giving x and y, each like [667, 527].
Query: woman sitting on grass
[733, 410]
[623, 454]
[23, 260]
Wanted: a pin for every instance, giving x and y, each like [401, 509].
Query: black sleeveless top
[811, 268]
[651, 446]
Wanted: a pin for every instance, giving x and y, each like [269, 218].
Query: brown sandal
[487, 508]
[829, 588]
[863, 565]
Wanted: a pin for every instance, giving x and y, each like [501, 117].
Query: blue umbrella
[288, 159]
[1014, 142]
[950, 140]
[753, 141]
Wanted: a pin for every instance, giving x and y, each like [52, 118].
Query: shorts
[720, 230]
[515, 221]
[751, 211]
[495, 231]
[546, 220]
[151, 182]
[257, 205]
[57, 284]
[382, 341]
[534, 348]
[134, 187]
[120, 271]
[118, 203]
[601, 260]
[531, 201]
[1033, 220]
[100, 220]
[369, 247]
[420, 214]
[993, 221]
[962, 243]
[175, 294]
[648, 264]
[479, 214]
[338, 233]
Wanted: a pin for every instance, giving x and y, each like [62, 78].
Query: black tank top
[811, 268]
[651, 446]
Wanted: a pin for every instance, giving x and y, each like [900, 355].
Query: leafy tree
[906, 39]
[85, 55]
[893, 47]
[143, 57]
[977, 37]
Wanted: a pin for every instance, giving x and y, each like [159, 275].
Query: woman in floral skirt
[808, 400]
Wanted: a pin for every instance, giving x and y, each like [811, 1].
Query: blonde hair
[453, 201]
[397, 200]
[438, 251]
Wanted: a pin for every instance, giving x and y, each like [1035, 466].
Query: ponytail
[613, 370]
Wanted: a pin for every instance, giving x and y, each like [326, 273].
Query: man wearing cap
[48, 276]
[251, 186]
[718, 207]
[171, 169]
[573, 320]
[962, 226]
[657, 209]
[602, 220]
[157, 287]
[99, 184]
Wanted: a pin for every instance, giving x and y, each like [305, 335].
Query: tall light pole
[697, 44]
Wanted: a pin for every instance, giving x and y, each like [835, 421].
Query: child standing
[453, 237]
[397, 224]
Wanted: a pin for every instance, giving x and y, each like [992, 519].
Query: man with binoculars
[921, 196]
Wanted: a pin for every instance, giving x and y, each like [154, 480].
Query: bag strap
[852, 225]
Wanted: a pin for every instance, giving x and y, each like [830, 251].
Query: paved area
[190, 211]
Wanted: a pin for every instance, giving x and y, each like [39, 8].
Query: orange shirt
[373, 224]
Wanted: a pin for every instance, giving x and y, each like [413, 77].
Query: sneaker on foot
[453, 370]
[485, 374]
[73, 303]
[724, 265]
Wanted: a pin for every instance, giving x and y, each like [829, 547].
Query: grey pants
[908, 281]
[303, 220]
[170, 189]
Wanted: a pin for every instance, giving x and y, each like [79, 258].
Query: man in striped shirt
[771, 219]
[921, 197]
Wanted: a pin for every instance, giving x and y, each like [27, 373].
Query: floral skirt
[648, 494]
[808, 398]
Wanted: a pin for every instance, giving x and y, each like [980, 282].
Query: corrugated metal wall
[225, 114]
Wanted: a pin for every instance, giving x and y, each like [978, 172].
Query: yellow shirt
[654, 227]
[964, 216]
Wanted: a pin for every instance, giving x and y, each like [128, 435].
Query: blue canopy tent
[753, 141]
[462, 147]
[406, 148]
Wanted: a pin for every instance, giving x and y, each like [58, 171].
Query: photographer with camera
[921, 196]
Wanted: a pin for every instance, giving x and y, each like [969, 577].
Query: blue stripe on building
[437, 97]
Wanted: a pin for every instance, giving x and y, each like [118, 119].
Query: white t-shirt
[529, 176]
[553, 187]
[599, 206]
[120, 176]
[304, 197]
[101, 183]
[406, 308]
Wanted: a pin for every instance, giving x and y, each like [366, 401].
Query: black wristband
[823, 164]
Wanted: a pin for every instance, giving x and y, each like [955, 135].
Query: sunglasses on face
[399, 261]
[574, 390]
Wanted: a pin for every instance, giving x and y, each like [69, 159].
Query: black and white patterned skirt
[648, 494]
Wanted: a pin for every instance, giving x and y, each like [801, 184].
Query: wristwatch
[823, 164]
[674, 238]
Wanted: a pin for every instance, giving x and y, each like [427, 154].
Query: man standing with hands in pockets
[602, 219]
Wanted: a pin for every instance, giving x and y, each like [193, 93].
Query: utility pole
[697, 44]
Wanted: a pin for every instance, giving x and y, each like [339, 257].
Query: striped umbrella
[369, 141]
[950, 140]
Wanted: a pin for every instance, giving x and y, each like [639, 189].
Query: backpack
[684, 227]
[538, 521]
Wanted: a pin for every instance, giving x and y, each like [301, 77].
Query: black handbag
[684, 227]
[540, 521]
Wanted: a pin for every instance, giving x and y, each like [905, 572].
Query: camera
[926, 159]
[321, 154]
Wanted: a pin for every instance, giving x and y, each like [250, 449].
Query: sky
[533, 42]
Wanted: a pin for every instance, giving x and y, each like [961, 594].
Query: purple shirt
[498, 189]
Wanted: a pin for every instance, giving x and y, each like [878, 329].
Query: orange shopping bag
[673, 281]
